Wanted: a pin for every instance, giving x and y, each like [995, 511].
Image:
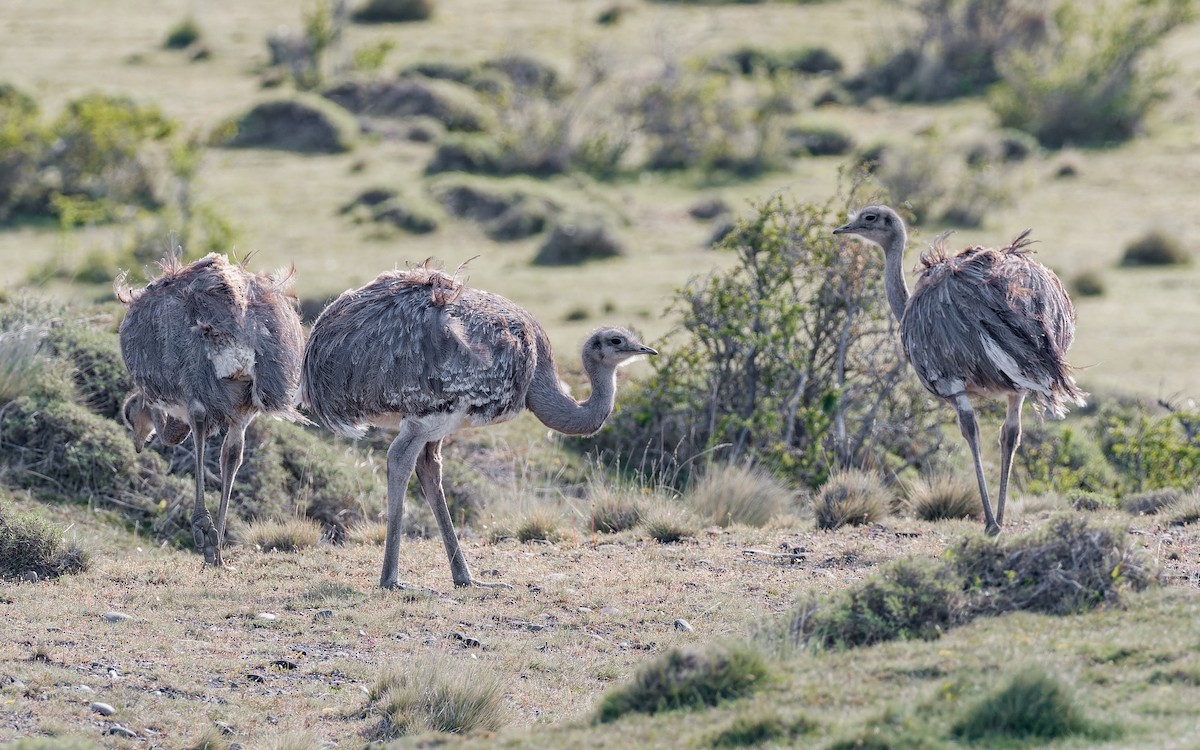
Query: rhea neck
[560, 412]
[893, 271]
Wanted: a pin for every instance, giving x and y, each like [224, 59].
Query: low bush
[851, 497]
[1184, 512]
[687, 678]
[1090, 501]
[304, 124]
[394, 11]
[613, 511]
[505, 214]
[1031, 705]
[1088, 283]
[908, 599]
[30, 544]
[1151, 502]
[727, 495]
[183, 34]
[452, 104]
[816, 140]
[578, 240]
[437, 694]
[759, 728]
[99, 371]
[1155, 249]
[944, 496]
[1070, 566]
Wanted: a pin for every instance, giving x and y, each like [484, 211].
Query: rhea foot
[207, 540]
[992, 529]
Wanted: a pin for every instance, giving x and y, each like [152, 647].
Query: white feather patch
[235, 362]
[1007, 365]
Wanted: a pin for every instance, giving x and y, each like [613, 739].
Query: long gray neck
[893, 274]
[560, 412]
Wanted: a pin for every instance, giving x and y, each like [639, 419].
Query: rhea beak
[842, 229]
[647, 350]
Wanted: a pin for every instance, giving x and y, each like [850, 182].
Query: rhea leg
[402, 458]
[970, 431]
[1010, 438]
[204, 531]
[231, 461]
[429, 472]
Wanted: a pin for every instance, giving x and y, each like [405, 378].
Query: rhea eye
[615, 341]
[869, 217]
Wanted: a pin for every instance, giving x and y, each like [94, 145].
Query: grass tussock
[22, 367]
[943, 497]
[436, 694]
[727, 495]
[1150, 502]
[290, 535]
[1186, 511]
[759, 728]
[28, 543]
[667, 523]
[1155, 249]
[210, 739]
[851, 497]
[687, 678]
[367, 533]
[614, 511]
[538, 525]
[1070, 566]
[1031, 705]
[292, 741]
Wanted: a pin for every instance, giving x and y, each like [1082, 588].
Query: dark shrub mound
[453, 105]
[411, 219]
[440, 69]
[1032, 705]
[305, 124]
[1150, 502]
[751, 60]
[908, 599]
[708, 208]
[687, 678]
[183, 34]
[393, 11]
[471, 153]
[527, 74]
[818, 141]
[761, 728]
[312, 307]
[1155, 249]
[1091, 501]
[1088, 284]
[504, 214]
[99, 372]
[468, 201]
[1068, 567]
[370, 197]
[587, 238]
[30, 544]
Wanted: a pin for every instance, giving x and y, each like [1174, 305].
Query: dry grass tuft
[614, 510]
[368, 533]
[30, 544]
[944, 496]
[1185, 511]
[291, 535]
[210, 739]
[1150, 502]
[436, 694]
[851, 497]
[538, 525]
[667, 522]
[291, 741]
[728, 495]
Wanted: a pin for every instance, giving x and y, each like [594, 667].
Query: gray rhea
[418, 352]
[984, 322]
[209, 346]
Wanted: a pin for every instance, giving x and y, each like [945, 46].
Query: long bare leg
[1010, 438]
[402, 458]
[204, 531]
[429, 472]
[970, 431]
[231, 461]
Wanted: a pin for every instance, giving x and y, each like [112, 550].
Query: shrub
[1184, 512]
[453, 105]
[305, 124]
[761, 373]
[1088, 283]
[1150, 502]
[1090, 86]
[394, 11]
[24, 370]
[851, 497]
[1060, 459]
[817, 140]
[505, 214]
[687, 678]
[908, 599]
[1155, 249]
[1070, 566]
[944, 496]
[1090, 501]
[406, 215]
[99, 371]
[727, 495]
[577, 240]
[613, 510]
[291, 535]
[28, 543]
[436, 694]
[1150, 452]
[182, 34]
[466, 153]
[1030, 705]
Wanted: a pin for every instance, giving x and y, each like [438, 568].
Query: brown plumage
[982, 322]
[209, 346]
[419, 352]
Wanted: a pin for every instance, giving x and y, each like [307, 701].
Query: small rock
[121, 731]
[29, 575]
[609, 610]
[102, 708]
[117, 617]
[255, 677]
[684, 625]
[267, 615]
[226, 729]
[556, 577]
[467, 640]
[85, 689]
[325, 614]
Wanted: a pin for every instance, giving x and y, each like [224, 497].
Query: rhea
[209, 346]
[419, 352]
[984, 322]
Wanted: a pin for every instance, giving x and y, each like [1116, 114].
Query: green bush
[1150, 452]
[687, 678]
[394, 11]
[578, 239]
[30, 544]
[761, 373]
[304, 124]
[908, 599]
[183, 34]
[1088, 283]
[851, 497]
[760, 728]
[436, 694]
[24, 147]
[1031, 705]
[1155, 249]
[99, 371]
[1091, 86]
[1058, 459]
[818, 141]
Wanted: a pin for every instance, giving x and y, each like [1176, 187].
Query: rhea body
[981, 323]
[418, 352]
[209, 346]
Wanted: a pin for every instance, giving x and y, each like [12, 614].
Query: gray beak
[647, 350]
[842, 229]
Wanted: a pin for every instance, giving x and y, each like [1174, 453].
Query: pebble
[102, 708]
[684, 625]
[225, 728]
[325, 614]
[267, 615]
[121, 731]
[85, 689]
[117, 617]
